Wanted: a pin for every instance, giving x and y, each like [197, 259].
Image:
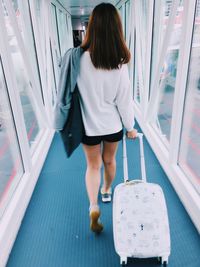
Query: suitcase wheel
[163, 261]
[123, 261]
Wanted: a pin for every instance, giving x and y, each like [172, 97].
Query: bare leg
[93, 175]
[93, 178]
[109, 153]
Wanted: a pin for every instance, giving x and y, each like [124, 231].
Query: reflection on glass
[56, 56]
[55, 32]
[142, 7]
[136, 82]
[70, 31]
[189, 156]
[127, 6]
[122, 18]
[168, 75]
[41, 27]
[24, 85]
[161, 18]
[28, 37]
[53, 82]
[62, 28]
[11, 168]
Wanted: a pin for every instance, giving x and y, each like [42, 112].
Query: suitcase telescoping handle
[142, 162]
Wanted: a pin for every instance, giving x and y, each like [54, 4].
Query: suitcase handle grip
[125, 163]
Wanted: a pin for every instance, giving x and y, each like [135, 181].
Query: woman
[106, 102]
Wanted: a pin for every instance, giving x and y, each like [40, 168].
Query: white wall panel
[29, 72]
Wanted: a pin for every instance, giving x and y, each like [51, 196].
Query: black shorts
[95, 140]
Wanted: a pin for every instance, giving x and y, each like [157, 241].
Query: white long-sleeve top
[106, 98]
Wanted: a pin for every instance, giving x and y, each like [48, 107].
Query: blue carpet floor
[55, 230]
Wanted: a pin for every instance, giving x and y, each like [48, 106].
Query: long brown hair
[104, 38]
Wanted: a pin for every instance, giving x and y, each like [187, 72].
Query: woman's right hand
[132, 134]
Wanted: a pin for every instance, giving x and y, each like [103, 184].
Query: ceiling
[83, 7]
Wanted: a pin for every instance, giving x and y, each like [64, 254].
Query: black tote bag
[73, 131]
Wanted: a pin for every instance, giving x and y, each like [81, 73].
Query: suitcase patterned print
[141, 228]
[140, 220]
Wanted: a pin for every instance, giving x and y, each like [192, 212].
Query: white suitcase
[140, 220]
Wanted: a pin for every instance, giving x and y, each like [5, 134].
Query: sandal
[106, 196]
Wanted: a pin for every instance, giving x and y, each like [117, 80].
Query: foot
[106, 196]
[95, 224]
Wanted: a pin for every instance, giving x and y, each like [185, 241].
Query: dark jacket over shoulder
[70, 66]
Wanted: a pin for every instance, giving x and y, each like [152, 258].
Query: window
[55, 31]
[25, 27]
[127, 7]
[24, 84]
[165, 92]
[62, 28]
[189, 156]
[122, 15]
[11, 168]
[141, 23]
